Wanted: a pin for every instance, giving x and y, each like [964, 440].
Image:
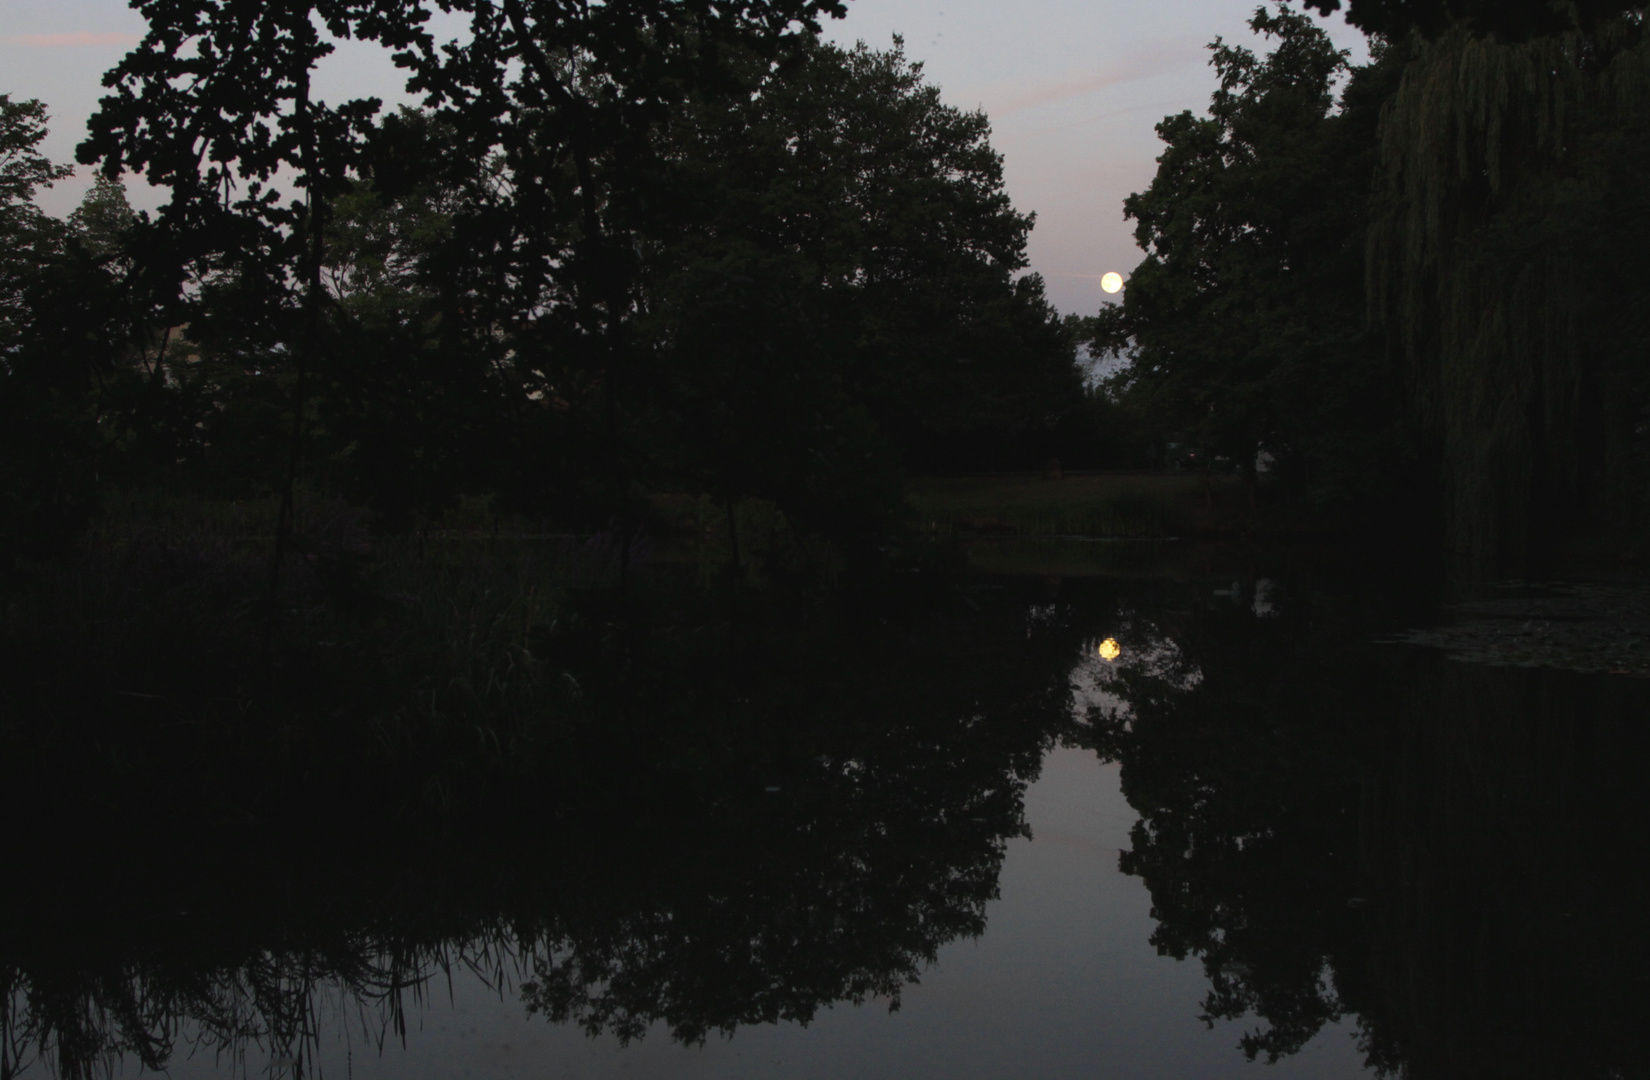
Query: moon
[1112, 282]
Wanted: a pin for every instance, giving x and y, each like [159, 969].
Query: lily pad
[1588, 627]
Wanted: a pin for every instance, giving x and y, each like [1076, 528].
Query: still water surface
[1062, 984]
[1075, 817]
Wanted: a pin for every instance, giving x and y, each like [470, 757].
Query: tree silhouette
[1244, 323]
[1506, 19]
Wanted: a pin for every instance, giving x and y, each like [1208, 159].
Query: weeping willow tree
[1505, 261]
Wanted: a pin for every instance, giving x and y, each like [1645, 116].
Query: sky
[1074, 89]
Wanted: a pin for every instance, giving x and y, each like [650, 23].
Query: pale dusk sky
[1073, 89]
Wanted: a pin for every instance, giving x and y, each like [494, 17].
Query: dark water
[945, 837]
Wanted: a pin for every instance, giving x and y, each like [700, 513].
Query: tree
[27, 236]
[1506, 19]
[536, 284]
[880, 212]
[829, 290]
[1504, 259]
[1244, 324]
[815, 278]
[217, 95]
[544, 115]
[55, 339]
[103, 218]
[568, 103]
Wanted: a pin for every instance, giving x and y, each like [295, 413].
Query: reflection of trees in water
[1143, 657]
[1236, 752]
[1453, 854]
[152, 1011]
[699, 947]
[1505, 837]
[751, 825]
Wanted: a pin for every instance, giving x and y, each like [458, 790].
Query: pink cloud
[69, 40]
[1144, 64]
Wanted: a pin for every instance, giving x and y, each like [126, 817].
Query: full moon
[1112, 282]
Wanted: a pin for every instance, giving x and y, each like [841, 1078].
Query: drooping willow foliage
[1505, 261]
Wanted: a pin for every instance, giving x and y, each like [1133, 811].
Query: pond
[1135, 810]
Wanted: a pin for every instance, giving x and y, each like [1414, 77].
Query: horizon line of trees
[658, 245]
[640, 247]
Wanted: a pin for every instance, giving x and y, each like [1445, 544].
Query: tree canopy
[59, 328]
[1243, 326]
[1512, 20]
[1407, 291]
[1506, 234]
[839, 283]
[613, 251]
[653, 246]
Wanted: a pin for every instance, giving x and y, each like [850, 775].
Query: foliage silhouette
[532, 287]
[1244, 324]
[64, 329]
[1504, 230]
[734, 834]
[1506, 19]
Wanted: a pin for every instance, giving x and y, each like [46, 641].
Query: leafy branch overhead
[1506, 19]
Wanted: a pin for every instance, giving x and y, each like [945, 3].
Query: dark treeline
[1407, 287]
[652, 247]
[660, 247]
